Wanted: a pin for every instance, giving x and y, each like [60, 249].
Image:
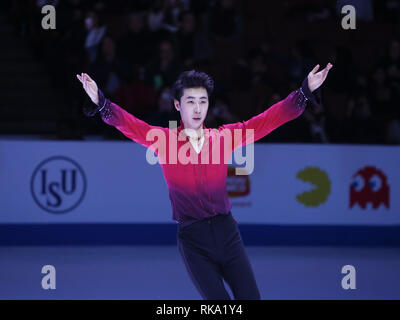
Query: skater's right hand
[90, 87]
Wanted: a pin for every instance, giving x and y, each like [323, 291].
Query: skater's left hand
[316, 79]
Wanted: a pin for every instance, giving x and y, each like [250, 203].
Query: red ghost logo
[369, 185]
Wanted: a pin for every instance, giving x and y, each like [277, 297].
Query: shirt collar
[181, 127]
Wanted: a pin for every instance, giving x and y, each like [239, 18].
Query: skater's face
[193, 107]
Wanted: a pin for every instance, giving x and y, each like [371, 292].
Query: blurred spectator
[138, 45]
[361, 82]
[360, 126]
[252, 72]
[364, 8]
[343, 77]
[185, 37]
[310, 11]
[258, 70]
[165, 111]
[301, 61]
[108, 70]
[269, 49]
[316, 124]
[192, 40]
[137, 97]
[219, 113]
[95, 33]
[163, 16]
[155, 16]
[73, 52]
[226, 21]
[393, 131]
[165, 68]
[392, 60]
[387, 11]
[74, 38]
[19, 15]
[381, 94]
[172, 9]
[68, 130]
[391, 65]
[278, 66]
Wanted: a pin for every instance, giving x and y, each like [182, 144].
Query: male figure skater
[208, 237]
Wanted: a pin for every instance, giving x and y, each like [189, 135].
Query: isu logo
[237, 185]
[369, 185]
[58, 184]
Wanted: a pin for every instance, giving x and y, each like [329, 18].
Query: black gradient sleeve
[307, 96]
[90, 109]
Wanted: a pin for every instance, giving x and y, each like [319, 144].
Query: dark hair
[192, 79]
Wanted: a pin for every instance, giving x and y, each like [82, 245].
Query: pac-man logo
[320, 180]
[237, 185]
[369, 185]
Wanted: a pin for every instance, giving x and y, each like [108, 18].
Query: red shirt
[197, 189]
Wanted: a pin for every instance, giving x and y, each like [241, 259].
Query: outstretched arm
[288, 109]
[114, 115]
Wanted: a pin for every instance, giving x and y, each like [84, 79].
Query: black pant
[212, 249]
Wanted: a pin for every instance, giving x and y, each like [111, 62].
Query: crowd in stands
[135, 50]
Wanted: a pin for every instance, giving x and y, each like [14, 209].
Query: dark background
[256, 51]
